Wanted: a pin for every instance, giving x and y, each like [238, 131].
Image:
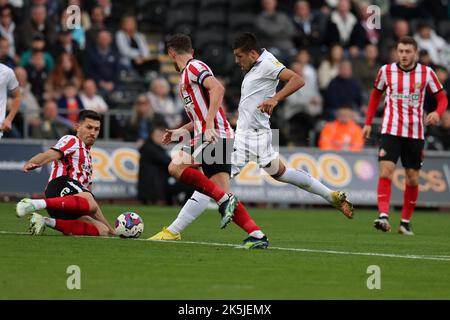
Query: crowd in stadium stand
[114, 62]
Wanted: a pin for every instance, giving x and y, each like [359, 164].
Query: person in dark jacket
[155, 184]
[343, 90]
[102, 63]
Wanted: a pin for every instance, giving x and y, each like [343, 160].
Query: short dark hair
[179, 42]
[88, 114]
[408, 40]
[247, 42]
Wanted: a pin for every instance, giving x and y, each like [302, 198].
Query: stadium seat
[245, 5]
[178, 4]
[205, 38]
[214, 56]
[221, 5]
[175, 18]
[153, 13]
[212, 19]
[444, 29]
[238, 22]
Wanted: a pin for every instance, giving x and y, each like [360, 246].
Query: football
[129, 225]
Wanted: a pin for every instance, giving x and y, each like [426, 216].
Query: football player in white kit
[8, 83]
[253, 138]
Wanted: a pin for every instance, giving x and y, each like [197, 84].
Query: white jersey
[259, 84]
[8, 82]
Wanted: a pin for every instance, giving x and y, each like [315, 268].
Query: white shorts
[252, 145]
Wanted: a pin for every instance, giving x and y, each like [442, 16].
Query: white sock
[50, 222]
[303, 180]
[223, 199]
[39, 204]
[192, 209]
[257, 234]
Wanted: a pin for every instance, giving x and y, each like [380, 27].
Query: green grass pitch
[314, 254]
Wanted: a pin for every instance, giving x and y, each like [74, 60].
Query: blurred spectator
[309, 73]
[153, 178]
[408, 9]
[15, 7]
[307, 26]
[106, 6]
[52, 126]
[163, 104]
[102, 63]
[66, 44]
[37, 70]
[301, 109]
[428, 40]
[133, 47]
[363, 34]
[438, 137]
[5, 58]
[329, 68]
[276, 31]
[141, 121]
[343, 90]
[71, 102]
[29, 106]
[425, 58]
[91, 100]
[340, 25]
[66, 71]
[38, 23]
[389, 41]
[343, 133]
[38, 45]
[444, 78]
[8, 31]
[366, 69]
[97, 24]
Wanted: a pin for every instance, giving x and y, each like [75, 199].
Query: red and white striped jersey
[76, 161]
[405, 94]
[196, 99]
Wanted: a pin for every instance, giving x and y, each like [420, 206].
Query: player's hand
[211, 134]
[268, 106]
[366, 131]
[167, 138]
[30, 166]
[6, 126]
[432, 118]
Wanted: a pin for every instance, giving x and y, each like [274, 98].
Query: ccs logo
[329, 168]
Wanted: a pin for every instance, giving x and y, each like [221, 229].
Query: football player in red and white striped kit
[402, 131]
[202, 95]
[69, 200]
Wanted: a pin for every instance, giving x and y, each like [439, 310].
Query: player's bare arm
[174, 134]
[293, 83]
[14, 108]
[216, 92]
[42, 159]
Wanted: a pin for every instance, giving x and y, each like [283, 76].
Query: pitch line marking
[348, 253]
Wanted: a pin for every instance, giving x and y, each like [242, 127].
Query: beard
[176, 67]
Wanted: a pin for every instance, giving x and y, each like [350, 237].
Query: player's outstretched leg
[76, 204]
[195, 178]
[85, 226]
[303, 180]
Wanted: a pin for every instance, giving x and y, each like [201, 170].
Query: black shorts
[409, 150]
[215, 157]
[61, 187]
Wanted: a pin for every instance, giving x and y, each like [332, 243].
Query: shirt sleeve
[198, 72]
[272, 68]
[433, 83]
[12, 81]
[380, 81]
[66, 145]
